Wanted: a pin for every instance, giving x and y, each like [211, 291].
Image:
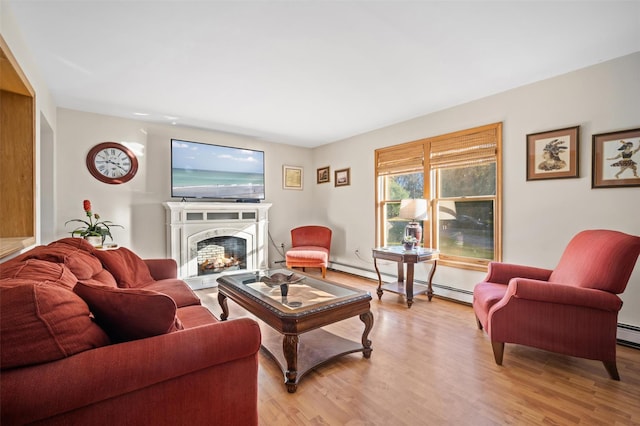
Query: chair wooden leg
[612, 369]
[479, 323]
[498, 351]
[324, 272]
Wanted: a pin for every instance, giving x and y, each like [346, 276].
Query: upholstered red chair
[572, 310]
[310, 246]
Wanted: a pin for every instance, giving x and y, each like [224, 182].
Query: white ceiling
[308, 72]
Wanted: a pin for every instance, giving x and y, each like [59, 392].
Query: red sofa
[104, 337]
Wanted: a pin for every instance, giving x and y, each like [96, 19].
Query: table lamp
[447, 210]
[414, 209]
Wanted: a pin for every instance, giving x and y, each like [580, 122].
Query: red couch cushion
[130, 313]
[39, 270]
[308, 254]
[176, 289]
[43, 322]
[127, 268]
[75, 253]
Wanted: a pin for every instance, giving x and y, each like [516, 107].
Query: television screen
[200, 170]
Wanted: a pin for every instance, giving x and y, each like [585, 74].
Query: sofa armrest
[502, 273]
[546, 292]
[98, 375]
[161, 269]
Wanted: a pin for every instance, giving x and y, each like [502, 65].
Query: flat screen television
[201, 170]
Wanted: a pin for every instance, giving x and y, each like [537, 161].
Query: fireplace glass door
[221, 254]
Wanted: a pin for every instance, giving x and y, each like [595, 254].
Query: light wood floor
[431, 366]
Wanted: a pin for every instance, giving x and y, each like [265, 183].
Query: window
[400, 175]
[460, 173]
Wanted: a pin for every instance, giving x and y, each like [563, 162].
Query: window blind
[398, 159]
[473, 146]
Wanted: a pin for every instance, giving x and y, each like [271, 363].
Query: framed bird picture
[553, 154]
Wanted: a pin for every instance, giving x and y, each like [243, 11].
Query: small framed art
[343, 177]
[323, 175]
[292, 177]
[553, 154]
[615, 159]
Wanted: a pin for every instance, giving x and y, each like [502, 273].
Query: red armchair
[572, 310]
[310, 247]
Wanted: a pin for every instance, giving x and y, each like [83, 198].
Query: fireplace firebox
[221, 254]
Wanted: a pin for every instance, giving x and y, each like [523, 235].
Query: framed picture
[324, 175]
[343, 177]
[615, 159]
[292, 177]
[553, 154]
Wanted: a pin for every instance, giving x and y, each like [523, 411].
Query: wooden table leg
[409, 284]
[401, 271]
[290, 349]
[222, 300]
[379, 291]
[430, 288]
[367, 319]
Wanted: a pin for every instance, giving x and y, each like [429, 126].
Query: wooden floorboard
[431, 366]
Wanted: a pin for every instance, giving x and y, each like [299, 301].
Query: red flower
[98, 228]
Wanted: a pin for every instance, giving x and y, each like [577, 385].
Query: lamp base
[413, 229]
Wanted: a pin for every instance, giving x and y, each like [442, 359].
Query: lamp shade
[447, 210]
[414, 209]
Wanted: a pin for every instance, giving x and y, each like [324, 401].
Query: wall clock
[112, 163]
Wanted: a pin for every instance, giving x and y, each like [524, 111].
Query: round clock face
[112, 163]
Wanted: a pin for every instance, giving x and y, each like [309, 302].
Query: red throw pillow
[127, 268]
[130, 313]
[77, 259]
[43, 322]
[39, 270]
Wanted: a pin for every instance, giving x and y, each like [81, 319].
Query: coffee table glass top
[303, 293]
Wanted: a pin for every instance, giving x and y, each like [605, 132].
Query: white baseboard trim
[438, 289]
[629, 335]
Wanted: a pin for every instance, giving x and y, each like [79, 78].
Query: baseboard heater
[627, 335]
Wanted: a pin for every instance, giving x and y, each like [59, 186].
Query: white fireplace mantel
[191, 222]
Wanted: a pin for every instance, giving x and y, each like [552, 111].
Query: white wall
[137, 204]
[540, 217]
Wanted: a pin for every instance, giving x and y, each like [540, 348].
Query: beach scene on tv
[200, 170]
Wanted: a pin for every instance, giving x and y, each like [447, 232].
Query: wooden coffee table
[310, 304]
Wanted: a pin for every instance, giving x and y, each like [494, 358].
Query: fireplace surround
[209, 239]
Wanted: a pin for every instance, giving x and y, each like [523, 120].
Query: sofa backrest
[599, 259]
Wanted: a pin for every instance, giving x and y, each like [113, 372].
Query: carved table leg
[290, 348]
[222, 300]
[379, 290]
[367, 319]
[433, 271]
[409, 284]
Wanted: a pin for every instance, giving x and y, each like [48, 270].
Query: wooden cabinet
[17, 156]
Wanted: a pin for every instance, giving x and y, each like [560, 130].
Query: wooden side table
[410, 258]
